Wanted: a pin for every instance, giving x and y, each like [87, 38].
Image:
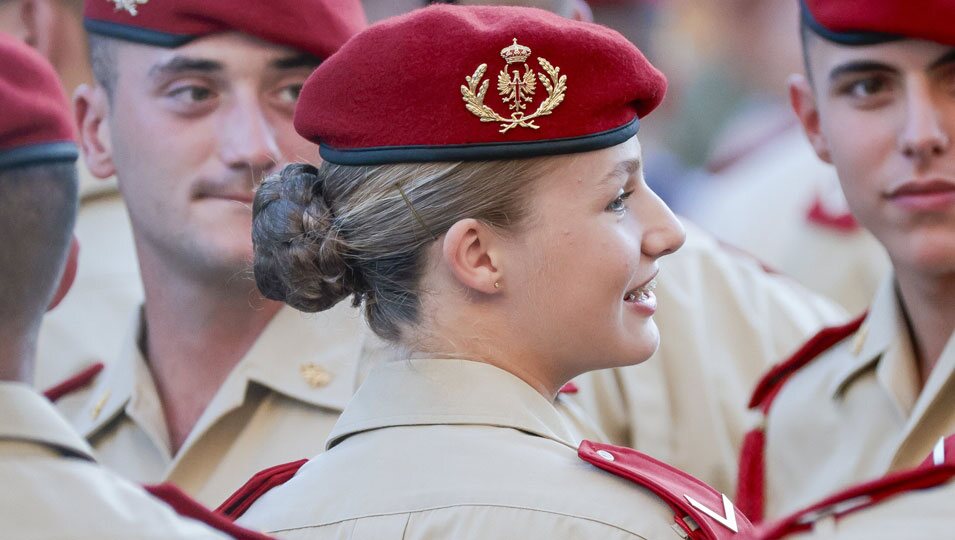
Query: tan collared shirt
[88, 326]
[723, 321]
[277, 405]
[856, 412]
[455, 449]
[50, 487]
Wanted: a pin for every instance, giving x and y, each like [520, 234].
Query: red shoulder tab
[260, 484]
[76, 382]
[569, 388]
[186, 506]
[942, 454]
[700, 510]
[820, 215]
[772, 382]
[858, 498]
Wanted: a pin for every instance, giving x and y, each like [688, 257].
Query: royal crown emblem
[130, 6]
[516, 89]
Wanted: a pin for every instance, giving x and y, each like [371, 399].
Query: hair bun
[298, 258]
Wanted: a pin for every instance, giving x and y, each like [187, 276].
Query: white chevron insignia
[729, 521]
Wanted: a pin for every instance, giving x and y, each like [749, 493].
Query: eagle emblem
[130, 6]
[516, 89]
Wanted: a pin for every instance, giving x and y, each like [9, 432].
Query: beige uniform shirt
[762, 205]
[278, 404]
[922, 514]
[455, 449]
[723, 321]
[856, 412]
[87, 327]
[50, 487]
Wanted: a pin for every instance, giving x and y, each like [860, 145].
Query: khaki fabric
[277, 405]
[52, 488]
[723, 321]
[856, 412]
[87, 327]
[762, 205]
[916, 514]
[455, 449]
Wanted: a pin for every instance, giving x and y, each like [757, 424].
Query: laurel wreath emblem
[473, 95]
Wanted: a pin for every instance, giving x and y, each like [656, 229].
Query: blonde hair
[323, 234]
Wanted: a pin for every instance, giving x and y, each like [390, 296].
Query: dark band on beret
[856, 39]
[39, 154]
[136, 34]
[481, 151]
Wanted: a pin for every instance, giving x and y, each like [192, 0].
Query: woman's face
[580, 272]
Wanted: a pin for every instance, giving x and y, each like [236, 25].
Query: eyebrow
[183, 64]
[944, 60]
[860, 66]
[624, 168]
[295, 61]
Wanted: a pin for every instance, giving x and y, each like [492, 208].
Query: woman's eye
[619, 205]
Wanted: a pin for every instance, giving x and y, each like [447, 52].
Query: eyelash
[621, 199]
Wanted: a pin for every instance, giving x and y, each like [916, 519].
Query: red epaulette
[74, 383]
[257, 486]
[699, 510]
[752, 469]
[858, 498]
[186, 506]
[943, 453]
[843, 222]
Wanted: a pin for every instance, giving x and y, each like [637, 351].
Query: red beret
[453, 83]
[865, 22]
[35, 122]
[317, 27]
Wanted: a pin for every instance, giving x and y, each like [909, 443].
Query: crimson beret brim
[851, 38]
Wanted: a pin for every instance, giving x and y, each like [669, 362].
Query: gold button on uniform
[316, 376]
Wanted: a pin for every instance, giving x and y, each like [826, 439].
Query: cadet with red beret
[872, 396]
[52, 487]
[192, 106]
[498, 228]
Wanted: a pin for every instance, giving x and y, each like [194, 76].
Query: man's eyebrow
[946, 59]
[295, 61]
[624, 168]
[860, 66]
[182, 64]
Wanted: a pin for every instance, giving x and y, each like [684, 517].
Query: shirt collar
[311, 358]
[449, 392]
[883, 343]
[29, 417]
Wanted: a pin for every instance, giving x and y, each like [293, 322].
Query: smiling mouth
[642, 293]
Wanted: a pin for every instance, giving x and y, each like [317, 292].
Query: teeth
[642, 294]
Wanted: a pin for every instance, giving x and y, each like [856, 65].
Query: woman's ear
[91, 107]
[472, 252]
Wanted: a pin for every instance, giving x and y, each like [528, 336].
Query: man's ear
[91, 107]
[803, 101]
[581, 11]
[471, 251]
[38, 18]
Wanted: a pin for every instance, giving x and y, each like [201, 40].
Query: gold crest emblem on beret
[516, 90]
[130, 6]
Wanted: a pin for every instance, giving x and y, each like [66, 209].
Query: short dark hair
[38, 206]
[103, 61]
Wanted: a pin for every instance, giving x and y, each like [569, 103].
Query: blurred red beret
[455, 83]
[35, 123]
[317, 27]
[865, 22]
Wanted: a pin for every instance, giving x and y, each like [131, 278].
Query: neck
[928, 302]
[195, 334]
[16, 357]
